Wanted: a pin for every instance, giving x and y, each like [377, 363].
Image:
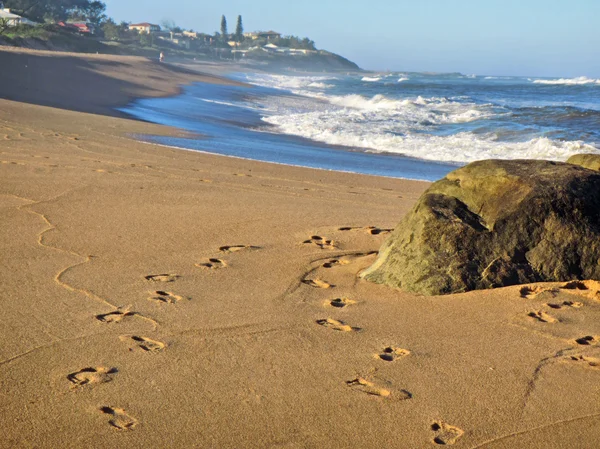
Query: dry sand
[157, 298]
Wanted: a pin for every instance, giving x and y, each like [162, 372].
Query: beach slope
[154, 297]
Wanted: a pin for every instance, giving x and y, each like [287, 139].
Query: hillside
[55, 38]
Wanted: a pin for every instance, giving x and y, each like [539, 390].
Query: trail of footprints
[586, 289]
[119, 419]
[363, 384]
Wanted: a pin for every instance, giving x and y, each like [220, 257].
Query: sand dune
[118, 331]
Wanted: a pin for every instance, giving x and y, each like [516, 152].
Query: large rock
[588, 160]
[496, 223]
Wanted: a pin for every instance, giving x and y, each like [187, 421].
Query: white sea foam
[371, 79]
[427, 111]
[319, 85]
[403, 79]
[301, 85]
[581, 80]
[459, 148]
[402, 126]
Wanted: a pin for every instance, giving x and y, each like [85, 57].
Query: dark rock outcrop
[496, 223]
[589, 160]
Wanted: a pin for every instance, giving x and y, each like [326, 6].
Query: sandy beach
[153, 297]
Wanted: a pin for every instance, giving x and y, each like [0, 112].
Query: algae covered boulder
[496, 223]
[589, 160]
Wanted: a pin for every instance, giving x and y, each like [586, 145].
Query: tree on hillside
[111, 30]
[145, 39]
[239, 30]
[92, 12]
[295, 42]
[49, 10]
[170, 25]
[224, 34]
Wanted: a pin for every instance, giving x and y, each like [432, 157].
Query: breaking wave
[455, 129]
[579, 81]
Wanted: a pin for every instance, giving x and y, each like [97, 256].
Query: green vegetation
[239, 30]
[112, 31]
[92, 12]
[170, 25]
[224, 34]
[54, 11]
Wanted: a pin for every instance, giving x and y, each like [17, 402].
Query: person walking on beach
[161, 58]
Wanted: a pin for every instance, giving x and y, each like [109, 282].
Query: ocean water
[408, 125]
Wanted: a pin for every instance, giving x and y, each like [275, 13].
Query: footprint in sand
[346, 260]
[392, 353]
[336, 325]
[321, 242]
[376, 231]
[146, 344]
[588, 289]
[119, 419]
[236, 248]
[340, 303]
[373, 230]
[445, 433]
[593, 362]
[573, 304]
[162, 277]
[317, 283]
[530, 292]
[368, 387]
[165, 297]
[588, 340]
[335, 262]
[90, 376]
[212, 264]
[115, 317]
[542, 316]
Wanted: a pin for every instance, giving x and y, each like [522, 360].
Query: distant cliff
[314, 61]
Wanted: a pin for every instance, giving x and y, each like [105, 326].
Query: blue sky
[485, 37]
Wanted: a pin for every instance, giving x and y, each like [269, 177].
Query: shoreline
[153, 297]
[211, 111]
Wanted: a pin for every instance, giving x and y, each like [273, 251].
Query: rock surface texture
[591, 161]
[496, 223]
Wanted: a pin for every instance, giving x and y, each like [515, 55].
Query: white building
[13, 19]
[144, 27]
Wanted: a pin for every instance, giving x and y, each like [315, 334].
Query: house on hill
[13, 19]
[268, 35]
[81, 27]
[270, 48]
[144, 27]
